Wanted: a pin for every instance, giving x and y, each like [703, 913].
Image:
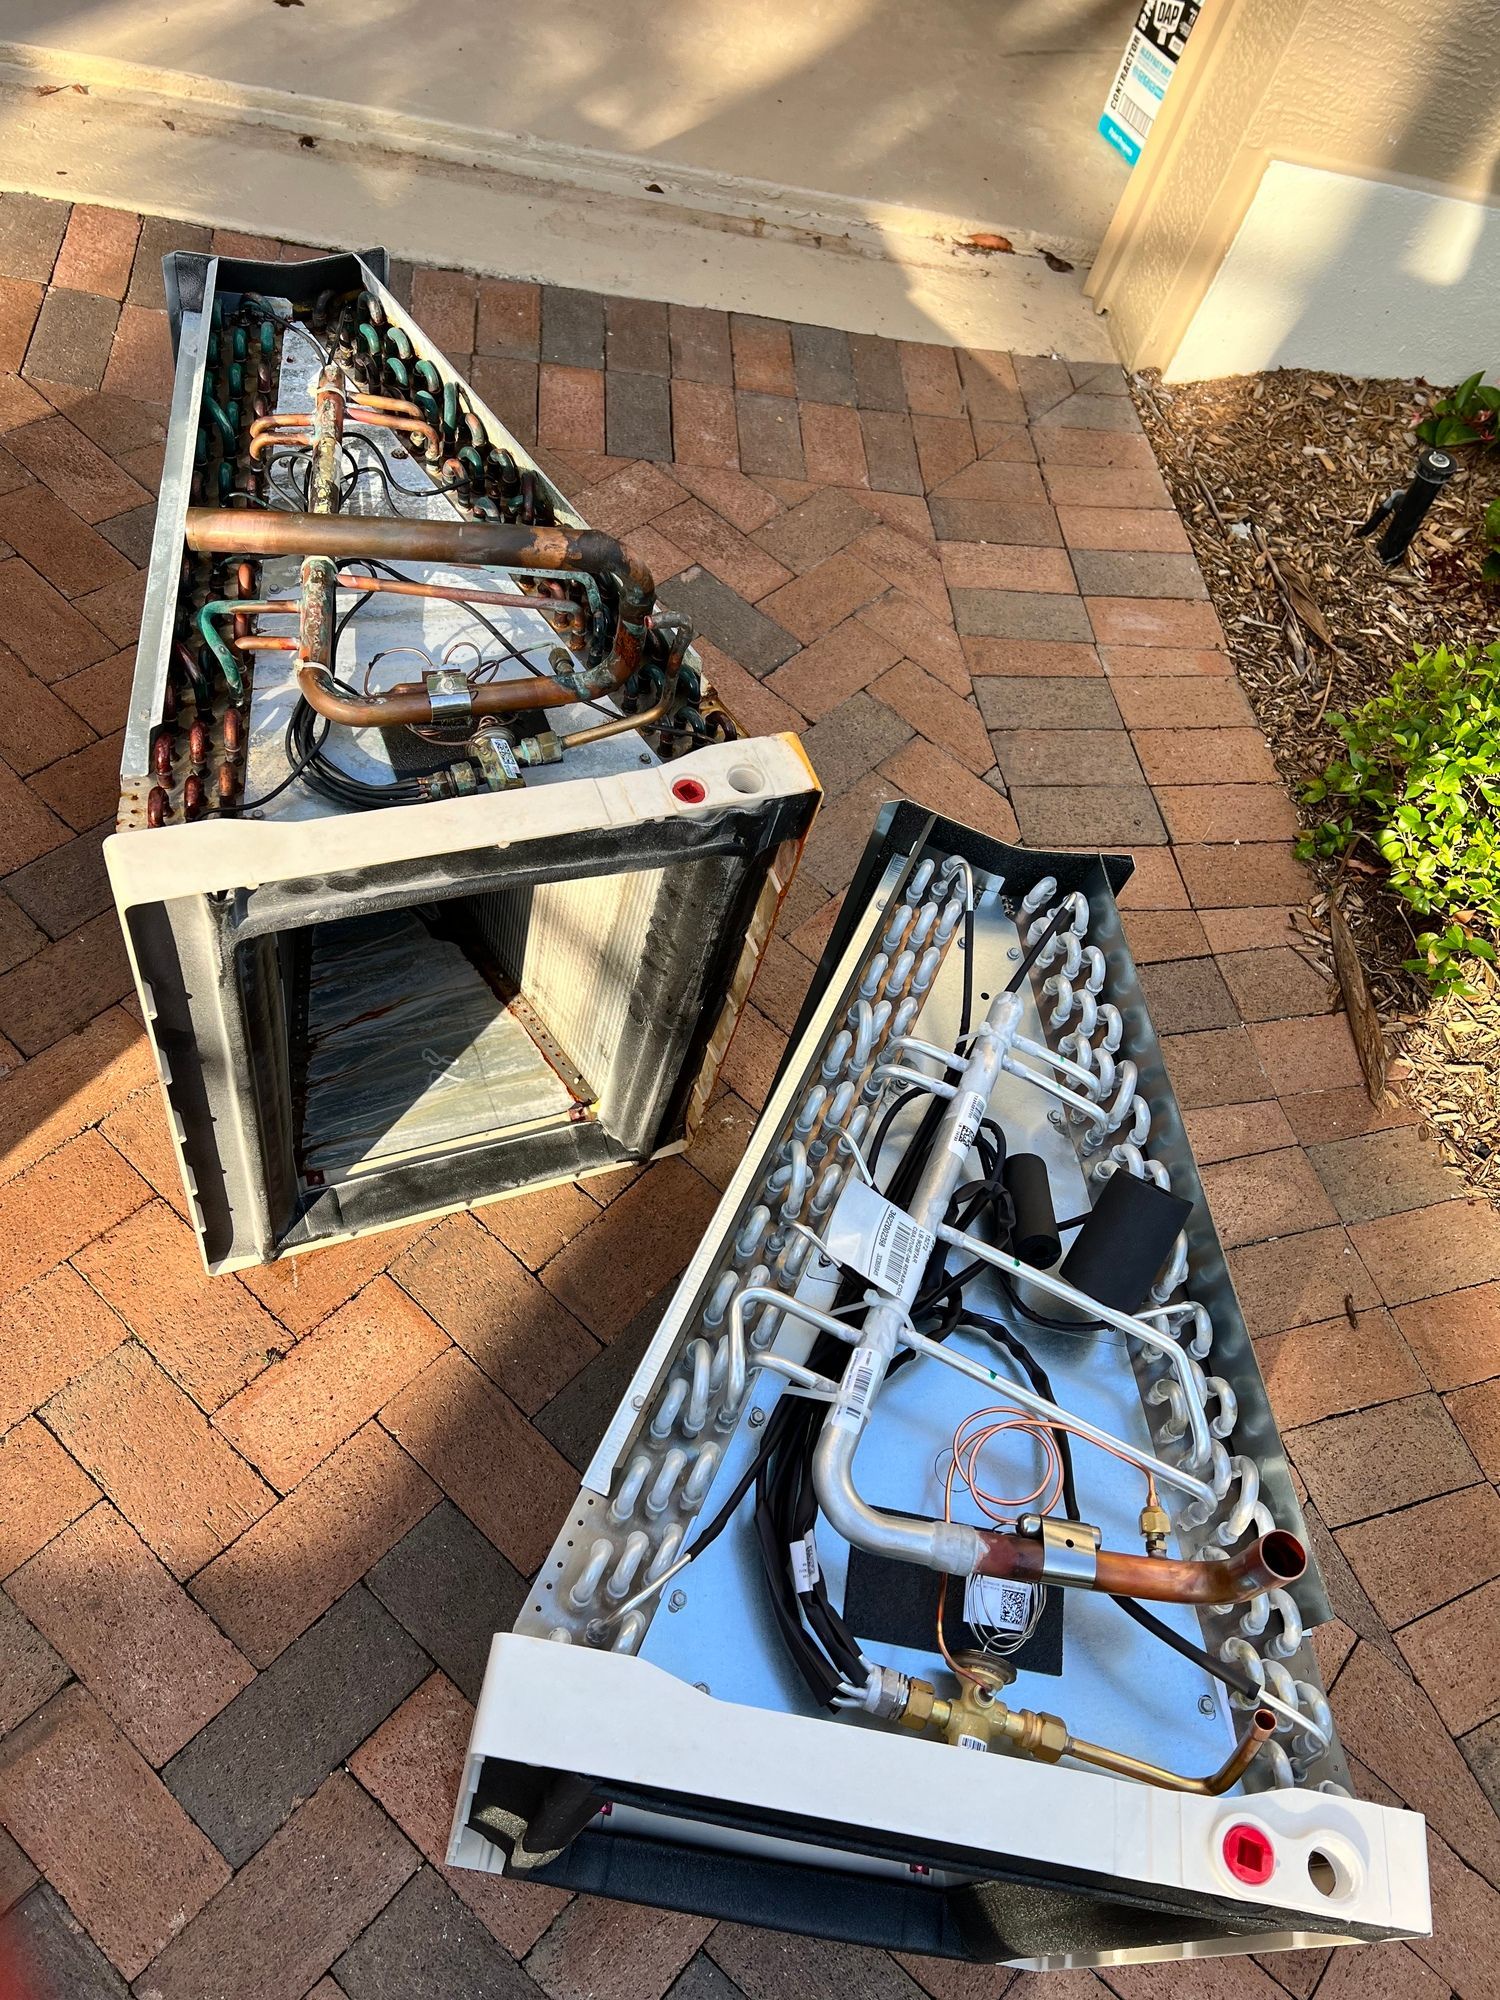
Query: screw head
[676, 1601]
[1014, 953]
[757, 1418]
[1206, 1704]
[703, 1687]
[637, 1402]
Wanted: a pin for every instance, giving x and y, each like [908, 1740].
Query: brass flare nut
[924, 1709]
[1155, 1528]
[1032, 1733]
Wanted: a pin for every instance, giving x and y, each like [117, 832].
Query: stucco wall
[1391, 93]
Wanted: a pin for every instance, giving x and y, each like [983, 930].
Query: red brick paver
[923, 560]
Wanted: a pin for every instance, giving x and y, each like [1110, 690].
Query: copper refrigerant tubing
[1262, 1728]
[454, 593]
[389, 414]
[1276, 1560]
[324, 537]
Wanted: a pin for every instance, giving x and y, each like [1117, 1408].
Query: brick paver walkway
[255, 1532]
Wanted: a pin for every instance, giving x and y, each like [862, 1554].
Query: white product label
[805, 1570]
[870, 1235]
[998, 1604]
[852, 1410]
[971, 1110]
[1147, 67]
[972, 1743]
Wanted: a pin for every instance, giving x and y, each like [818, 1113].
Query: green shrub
[1466, 415]
[1420, 778]
[1470, 414]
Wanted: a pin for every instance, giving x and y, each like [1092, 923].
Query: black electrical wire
[1043, 939]
[379, 469]
[515, 652]
[305, 758]
[824, 1651]
[298, 764]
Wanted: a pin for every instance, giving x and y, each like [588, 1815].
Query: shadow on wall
[1380, 277]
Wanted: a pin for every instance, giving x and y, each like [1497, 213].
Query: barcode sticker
[1134, 116]
[870, 1235]
[972, 1743]
[805, 1569]
[852, 1410]
[998, 1604]
[971, 1110]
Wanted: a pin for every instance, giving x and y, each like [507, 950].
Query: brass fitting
[978, 1719]
[1155, 1527]
[1033, 1733]
[545, 747]
[924, 1708]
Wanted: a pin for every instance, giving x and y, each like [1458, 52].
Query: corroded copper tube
[328, 438]
[378, 420]
[411, 706]
[1274, 1561]
[453, 593]
[395, 405]
[347, 537]
[269, 438]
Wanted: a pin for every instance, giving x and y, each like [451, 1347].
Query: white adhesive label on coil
[852, 1410]
[870, 1235]
[805, 1568]
[972, 1107]
[972, 1743]
[998, 1604]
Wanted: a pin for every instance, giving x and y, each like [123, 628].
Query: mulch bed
[1271, 475]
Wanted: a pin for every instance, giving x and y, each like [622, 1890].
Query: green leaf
[1462, 399]
[1453, 430]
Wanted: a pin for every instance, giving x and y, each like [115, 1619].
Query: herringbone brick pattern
[255, 1532]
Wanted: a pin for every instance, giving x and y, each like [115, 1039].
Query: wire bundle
[821, 1646]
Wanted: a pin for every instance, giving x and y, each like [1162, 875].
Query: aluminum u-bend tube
[1141, 1330]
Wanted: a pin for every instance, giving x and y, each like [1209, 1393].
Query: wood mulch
[1272, 474]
